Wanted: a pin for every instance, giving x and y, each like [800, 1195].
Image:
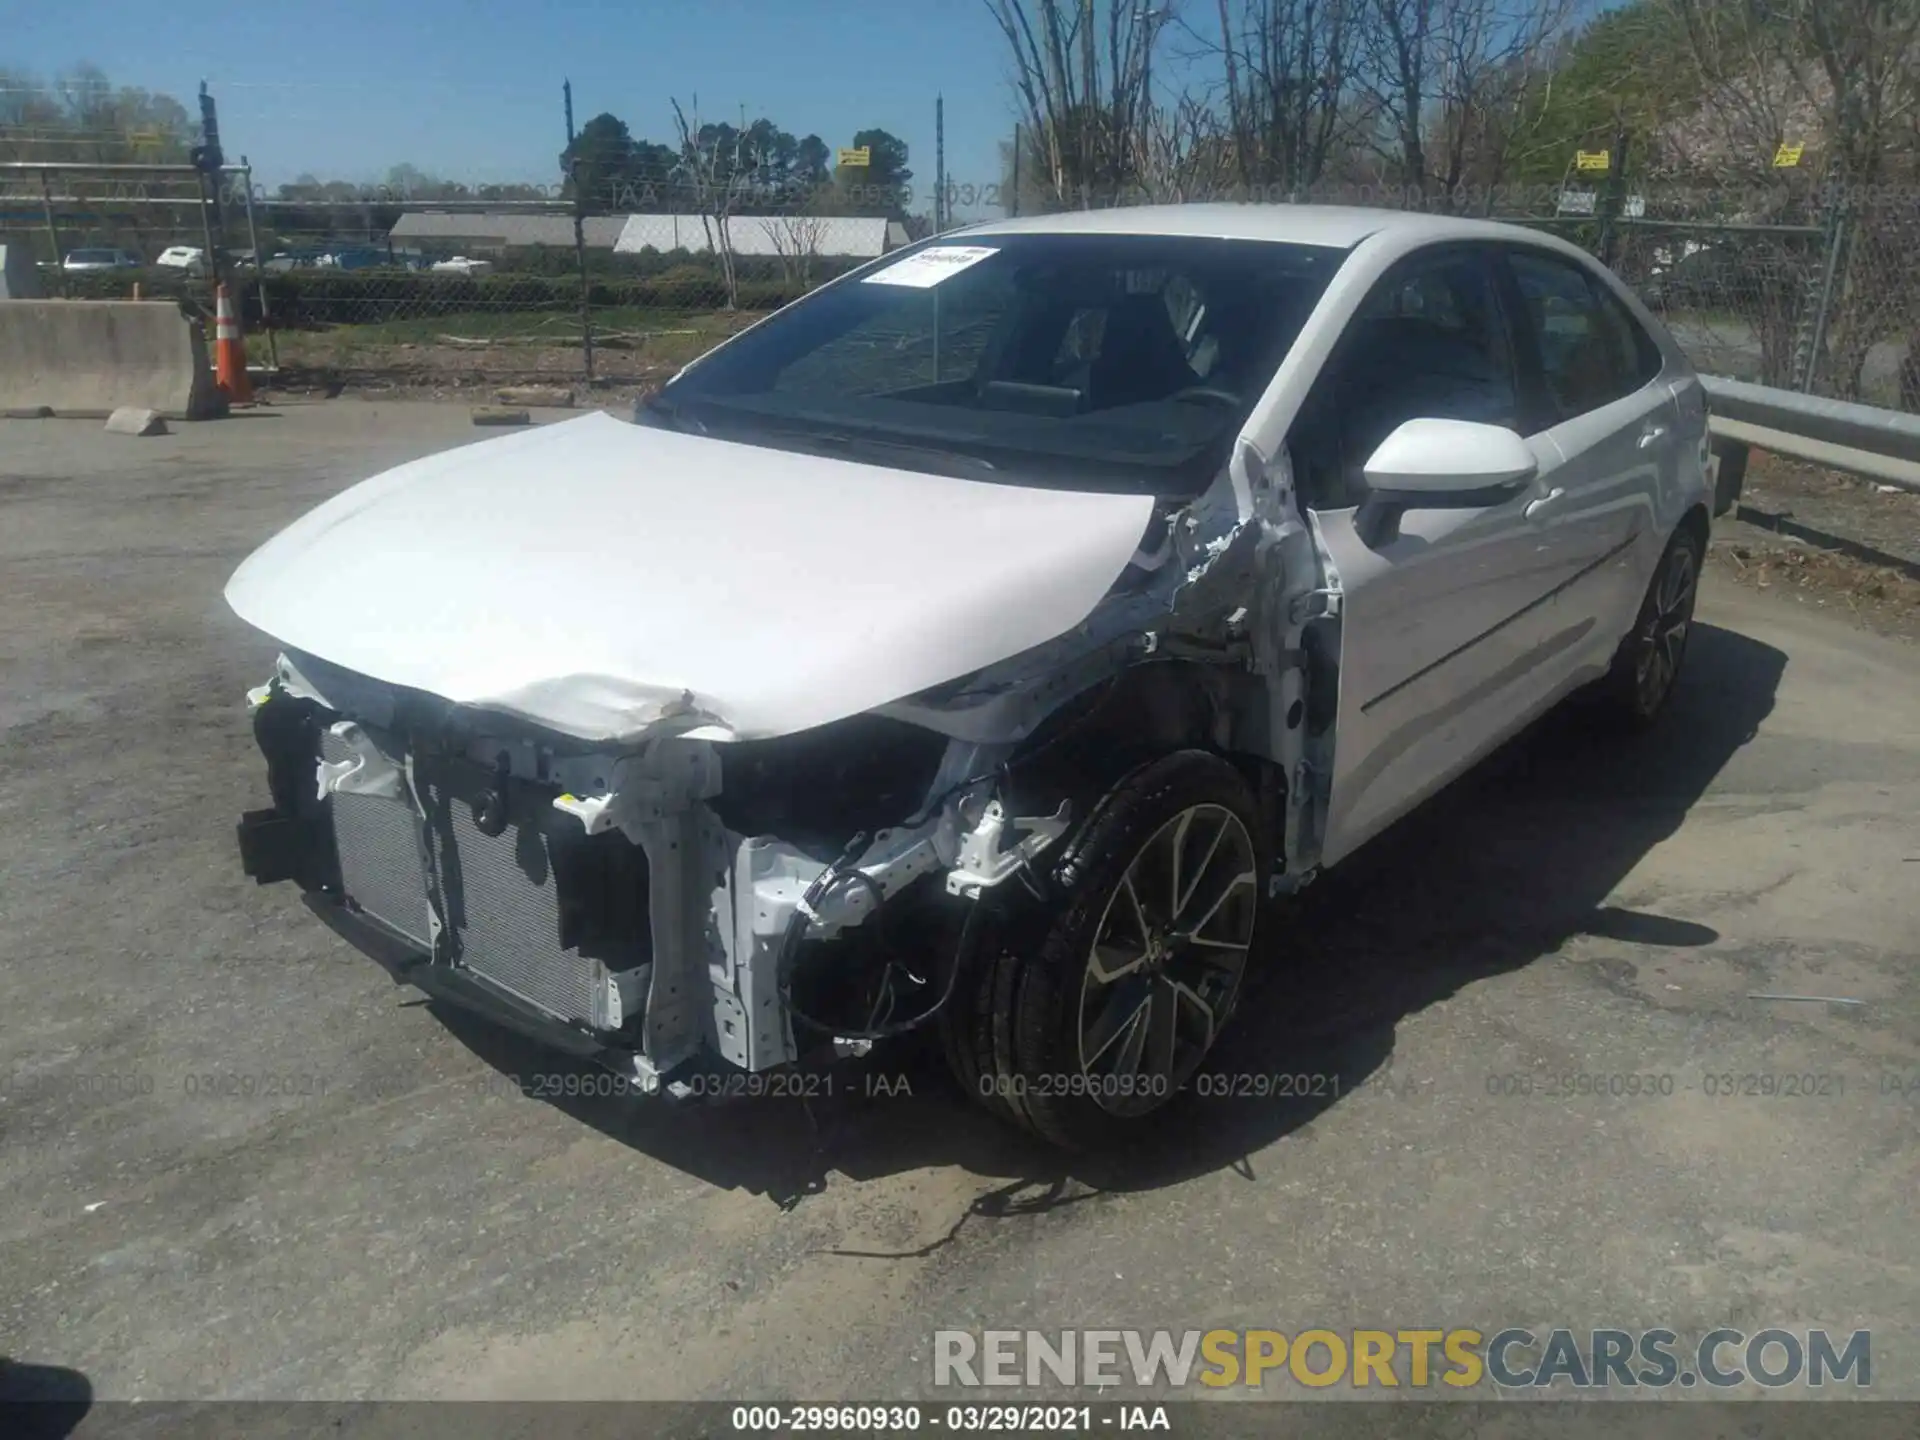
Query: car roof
[1337, 226]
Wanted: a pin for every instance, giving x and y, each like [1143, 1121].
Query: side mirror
[1440, 465]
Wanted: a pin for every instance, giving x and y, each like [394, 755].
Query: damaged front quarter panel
[1250, 563]
[1222, 589]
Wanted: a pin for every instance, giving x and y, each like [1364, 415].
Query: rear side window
[1592, 351]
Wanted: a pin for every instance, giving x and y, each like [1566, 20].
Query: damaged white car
[977, 642]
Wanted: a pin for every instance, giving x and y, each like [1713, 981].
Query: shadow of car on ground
[41, 1402]
[1506, 865]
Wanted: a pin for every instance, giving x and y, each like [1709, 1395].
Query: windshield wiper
[670, 414]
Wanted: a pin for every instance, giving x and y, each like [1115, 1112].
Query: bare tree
[1450, 82]
[1185, 153]
[712, 172]
[1856, 63]
[1843, 78]
[796, 239]
[1084, 93]
[1289, 66]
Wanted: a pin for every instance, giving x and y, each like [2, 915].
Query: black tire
[1647, 666]
[1019, 1031]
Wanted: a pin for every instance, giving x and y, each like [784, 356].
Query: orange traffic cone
[229, 352]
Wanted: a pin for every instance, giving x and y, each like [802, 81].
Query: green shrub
[305, 299]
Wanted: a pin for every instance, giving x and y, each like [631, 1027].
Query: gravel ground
[1828, 541]
[399, 1218]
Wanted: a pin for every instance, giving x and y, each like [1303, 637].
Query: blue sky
[346, 89]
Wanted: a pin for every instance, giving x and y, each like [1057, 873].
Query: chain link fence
[1793, 284]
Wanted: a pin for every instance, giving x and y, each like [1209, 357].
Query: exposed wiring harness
[844, 870]
[880, 1023]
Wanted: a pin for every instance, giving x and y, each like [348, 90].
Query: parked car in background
[353, 257]
[462, 265]
[985, 665]
[190, 259]
[78, 261]
[1769, 274]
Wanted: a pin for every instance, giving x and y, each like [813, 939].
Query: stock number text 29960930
[1005, 1419]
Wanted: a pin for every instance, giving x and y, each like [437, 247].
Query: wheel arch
[1696, 522]
[1093, 741]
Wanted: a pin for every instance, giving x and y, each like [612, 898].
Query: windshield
[1122, 362]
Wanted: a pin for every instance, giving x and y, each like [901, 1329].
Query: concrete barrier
[87, 358]
[19, 277]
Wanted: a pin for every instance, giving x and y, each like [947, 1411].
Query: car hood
[611, 581]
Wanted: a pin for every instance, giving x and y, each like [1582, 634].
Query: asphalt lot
[408, 1223]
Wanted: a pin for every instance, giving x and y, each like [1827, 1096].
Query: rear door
[1445, 627]
[1600, 397]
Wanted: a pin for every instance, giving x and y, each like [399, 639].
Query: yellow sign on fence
[1592, 160]
[1787, 156]
[862, 156]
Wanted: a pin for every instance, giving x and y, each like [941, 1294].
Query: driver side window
[1430, 342]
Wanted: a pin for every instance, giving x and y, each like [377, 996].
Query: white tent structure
[826, 236]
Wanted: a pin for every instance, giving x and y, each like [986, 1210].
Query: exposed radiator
[378, 839]
[503, 901]
[500, 894]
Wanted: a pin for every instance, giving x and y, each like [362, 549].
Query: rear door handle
[1534, 507]
[1651, 435]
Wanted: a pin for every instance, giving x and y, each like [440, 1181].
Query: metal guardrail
[1864, 440]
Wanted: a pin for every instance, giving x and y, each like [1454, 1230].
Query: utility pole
[1151, 19]
[579, 236]
[1012, 206]
[1088, 105]
[207, 159]
[940, 216]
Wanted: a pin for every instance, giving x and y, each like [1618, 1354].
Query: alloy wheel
[1663, 638]
[1167, 959]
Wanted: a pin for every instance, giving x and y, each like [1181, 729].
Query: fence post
[1613, 199]
[260, 264]
[579, 239]
[207, 182]
[1829, 278]
[53, 235]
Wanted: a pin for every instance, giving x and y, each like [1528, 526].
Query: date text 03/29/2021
[958, 1419]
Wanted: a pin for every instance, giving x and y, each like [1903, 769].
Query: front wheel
[1091, 1011]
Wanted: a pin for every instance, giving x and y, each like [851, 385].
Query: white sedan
[976, 644]
[190, 259]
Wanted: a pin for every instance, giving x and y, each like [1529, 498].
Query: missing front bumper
[409, 965]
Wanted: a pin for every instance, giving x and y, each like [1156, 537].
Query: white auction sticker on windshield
[927, 268]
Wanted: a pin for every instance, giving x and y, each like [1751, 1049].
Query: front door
[1445, 623]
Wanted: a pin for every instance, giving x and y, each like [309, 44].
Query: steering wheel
[1213, 394]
